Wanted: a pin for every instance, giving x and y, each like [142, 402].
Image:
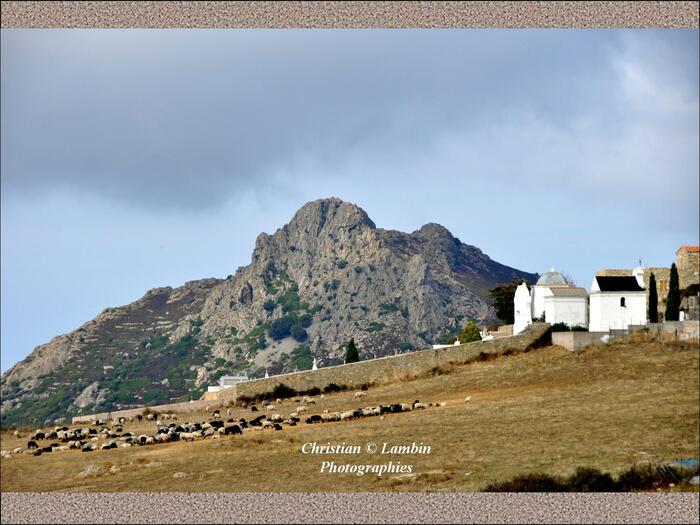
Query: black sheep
[277, 426]
[233, 429]
[253, 408]
[37, 452]
[32, 444]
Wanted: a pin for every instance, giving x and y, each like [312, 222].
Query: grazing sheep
[266, 424]
[346, 416]
[37, 452]
[233, 429]
[139, 417]
[208, 432]
[442, 404]
[309, 401]
[276, 418]
[125, 445]
[31, 445]
[5, 454]
[150, 417]
[253, 408]
[279, 401]
[360, 394]
[18, 450]
[150, 440]
[467, 399]
[418, 405]
[16, 433]
[302, 410]
[228, 412]
[216, 414]
[270, 407]
[277, 426]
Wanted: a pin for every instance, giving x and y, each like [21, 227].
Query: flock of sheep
[168, 429]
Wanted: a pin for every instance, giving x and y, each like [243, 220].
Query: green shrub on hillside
[470, 333]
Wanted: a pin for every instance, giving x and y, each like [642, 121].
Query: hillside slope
[328, 275]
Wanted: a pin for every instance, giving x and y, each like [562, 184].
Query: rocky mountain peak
[329, 214]
[327, 276]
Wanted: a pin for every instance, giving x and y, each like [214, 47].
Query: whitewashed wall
[538, 295]
[570, 310]
[606, 312]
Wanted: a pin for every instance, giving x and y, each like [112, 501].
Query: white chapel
[552, 299]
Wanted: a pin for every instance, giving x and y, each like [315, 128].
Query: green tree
[502, 299]
[470, 333]
[673, 299]
[653, 300]
[352, 355]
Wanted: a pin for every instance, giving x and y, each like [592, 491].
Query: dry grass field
[546, 410]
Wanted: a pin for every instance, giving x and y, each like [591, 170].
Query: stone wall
[688, 264]
[187, 406]
[574, 341]
[676, 330]
[352, 375]
[390, 369]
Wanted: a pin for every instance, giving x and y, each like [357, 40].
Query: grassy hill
[548, 411]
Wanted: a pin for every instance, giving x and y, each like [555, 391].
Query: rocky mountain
[328, 275]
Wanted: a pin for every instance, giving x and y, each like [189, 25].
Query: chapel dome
[552, 278]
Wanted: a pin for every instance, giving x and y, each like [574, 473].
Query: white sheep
[360, 394]
[421, 406]
[18, 450]
[442, 404]
[125, 445]
[345, 416]
[405, 407]
[467, 399]
[276, 418]
[270, 407]
[302, 410]
[267, 424]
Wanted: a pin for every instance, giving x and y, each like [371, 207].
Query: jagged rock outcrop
[328, 275]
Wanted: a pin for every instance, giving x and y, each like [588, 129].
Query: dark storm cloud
[189, 119]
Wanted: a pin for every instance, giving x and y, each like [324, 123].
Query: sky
[133, 159]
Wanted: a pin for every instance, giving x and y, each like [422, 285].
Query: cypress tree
[653, 300]
[673, 300]
[352, 355]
